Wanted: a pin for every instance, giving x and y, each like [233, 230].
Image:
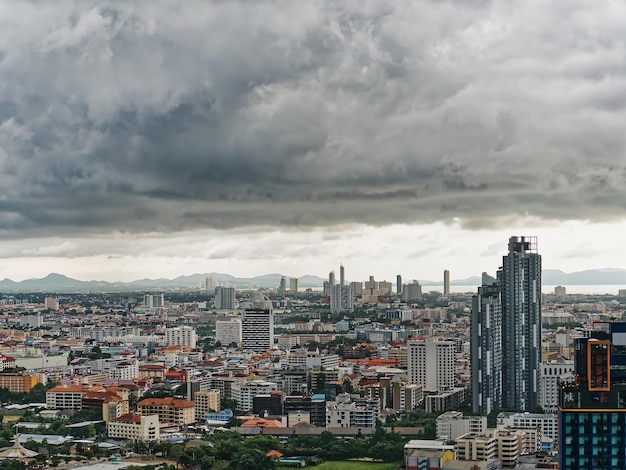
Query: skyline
[152, 139]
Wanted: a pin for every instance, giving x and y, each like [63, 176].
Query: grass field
[344, 465]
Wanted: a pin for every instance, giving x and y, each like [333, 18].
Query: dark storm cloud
[170, 116]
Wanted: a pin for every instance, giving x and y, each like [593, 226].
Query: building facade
[135, 428]
[181, 336]
[520, 283]
[169, 410]
[225, 298]
[431, 362]
[257, 326]
[592, 405]
[486, 349]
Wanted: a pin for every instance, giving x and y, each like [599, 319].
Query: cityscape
[502, 377]
[348, 235]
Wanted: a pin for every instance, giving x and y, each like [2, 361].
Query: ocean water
[546, 289]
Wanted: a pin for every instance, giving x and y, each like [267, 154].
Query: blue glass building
[592, 406]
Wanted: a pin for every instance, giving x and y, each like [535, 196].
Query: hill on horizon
[59, 283]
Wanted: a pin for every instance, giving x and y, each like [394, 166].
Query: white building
[548, 423]
[126, 370]
[431, 362]
[344, 413]
[225, 298]
[228, 331]
[312, 359]
[243, 394]
[257, 326]
[181, 336]
[549, 373]
[452, 424]
[341, 298]
[32, 321]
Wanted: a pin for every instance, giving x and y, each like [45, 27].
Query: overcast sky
[160, 138]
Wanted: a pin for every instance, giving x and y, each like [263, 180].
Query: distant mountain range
[59, 283]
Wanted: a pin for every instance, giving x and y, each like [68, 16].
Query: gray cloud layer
[168, 116]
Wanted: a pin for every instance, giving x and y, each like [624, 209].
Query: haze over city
[149, 139]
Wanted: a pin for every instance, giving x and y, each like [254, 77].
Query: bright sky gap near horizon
[158, 138]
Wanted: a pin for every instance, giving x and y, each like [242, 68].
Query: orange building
[18, 383]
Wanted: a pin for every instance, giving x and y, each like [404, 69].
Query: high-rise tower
[486, 349]
[446, 282]
[519, 280]
[257, 324]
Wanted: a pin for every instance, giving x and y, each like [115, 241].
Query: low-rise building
[65, 397]
[169, 410]
[134, 427]
[18, 383]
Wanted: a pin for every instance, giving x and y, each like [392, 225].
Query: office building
[181, 336]
[487, 280]
[228, 331]
[431, 362]
[51, 303]
[293, 285]
[519, 279]
[341, 296]
[245, 393]
[153, 300]
[257, 324]
[486, 350]
[225, 298]
[341, 299]
[399, 284]
[446, 282]
[208, 284]
[452, 424]
[592, 404]
[357, 288]
[506, 446]
[371, 283]
[411, 292]
[550, 374]
[283, 285]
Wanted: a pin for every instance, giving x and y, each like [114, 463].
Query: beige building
[169, 410]
[65, 397]
[207, 400]
[113, 407]
[135, 427]
[506, 446]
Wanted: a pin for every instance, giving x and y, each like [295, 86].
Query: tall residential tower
[520, 286]
[506, 332]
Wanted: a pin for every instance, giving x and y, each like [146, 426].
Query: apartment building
[65, 397]
[169, 410]
[135, 427]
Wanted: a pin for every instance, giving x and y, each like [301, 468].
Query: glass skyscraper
[520, 284]
[506, 333]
